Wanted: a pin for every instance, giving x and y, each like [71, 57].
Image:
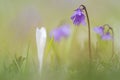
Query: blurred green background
[19, 19]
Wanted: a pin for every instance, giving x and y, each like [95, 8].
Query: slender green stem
[89, 33]
[18, 67]
[49, 46]
[27, 57]
[112, 42]
[110, 28]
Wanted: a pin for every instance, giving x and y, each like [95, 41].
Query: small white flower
[41, 36]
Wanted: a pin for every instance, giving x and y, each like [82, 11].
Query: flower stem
[112, 42]
[49, 46]
[89, 33]
[26, 62]
[110, 28]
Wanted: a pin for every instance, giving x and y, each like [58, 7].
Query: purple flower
[106, 36]
[99, 30]
[78, 17]
[60, 32]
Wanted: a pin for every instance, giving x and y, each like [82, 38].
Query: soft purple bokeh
[99, 30]
[78, 17]
[106, 36]
[60, 32]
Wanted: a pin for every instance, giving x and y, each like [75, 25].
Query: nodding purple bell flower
[60, 32]
[106, 36]
[99, 30]
[78, 17]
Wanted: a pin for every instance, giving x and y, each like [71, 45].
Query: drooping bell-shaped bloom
[78, 17]
[41, 36]
[60, 32]
[99, 30]
[106, 36]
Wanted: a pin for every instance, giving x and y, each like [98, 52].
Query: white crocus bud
[41, 36]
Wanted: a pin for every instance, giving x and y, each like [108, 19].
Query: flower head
[41, 36]
[99, 30]
[78, 17]
[106, 36]
[60, 32]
